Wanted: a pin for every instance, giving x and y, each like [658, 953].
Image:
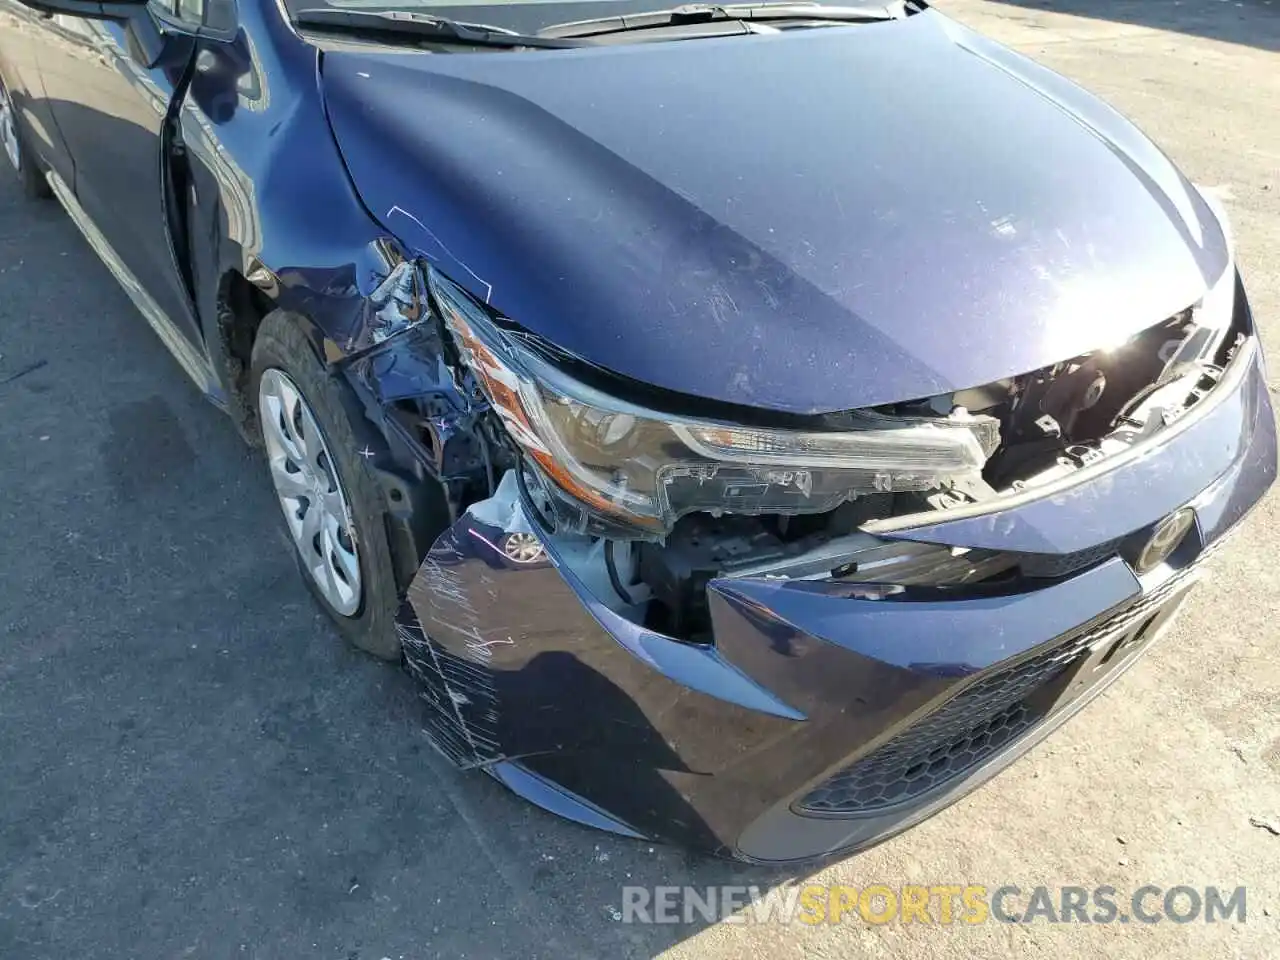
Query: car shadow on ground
[1233, 21]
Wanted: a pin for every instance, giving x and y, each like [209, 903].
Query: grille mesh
[1060, 565]
[968, 729]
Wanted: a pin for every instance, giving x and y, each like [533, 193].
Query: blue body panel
[789, 224]
[807, 222]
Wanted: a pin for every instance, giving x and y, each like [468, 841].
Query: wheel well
[241, 307]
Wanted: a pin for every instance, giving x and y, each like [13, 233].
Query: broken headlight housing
[609, 465]
[1214, 316]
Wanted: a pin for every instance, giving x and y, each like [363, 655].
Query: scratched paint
[458, 688]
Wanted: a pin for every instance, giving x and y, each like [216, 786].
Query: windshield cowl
[541, 23]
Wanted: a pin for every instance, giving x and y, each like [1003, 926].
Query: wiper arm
[691, 13]
[419, 26]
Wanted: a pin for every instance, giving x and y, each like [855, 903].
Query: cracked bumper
[818, 722]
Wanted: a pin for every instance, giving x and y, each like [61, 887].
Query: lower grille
[970, 728]
[1052, 566]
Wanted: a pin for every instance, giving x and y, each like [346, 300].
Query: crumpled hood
[810, 221]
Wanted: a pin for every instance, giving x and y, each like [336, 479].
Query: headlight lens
[644, 470]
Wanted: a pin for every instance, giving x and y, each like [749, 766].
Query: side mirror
[220, 20]
[208, 19]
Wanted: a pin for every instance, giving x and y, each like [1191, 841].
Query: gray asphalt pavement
[193, 765]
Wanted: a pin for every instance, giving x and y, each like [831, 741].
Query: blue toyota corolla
[753, 426]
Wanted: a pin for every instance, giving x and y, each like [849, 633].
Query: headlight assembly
[642, 470]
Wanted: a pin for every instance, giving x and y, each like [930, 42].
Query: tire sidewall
[282, 344]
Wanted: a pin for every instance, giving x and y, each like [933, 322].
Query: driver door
[112, 111]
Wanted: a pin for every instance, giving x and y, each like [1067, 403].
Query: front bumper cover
[819, 721]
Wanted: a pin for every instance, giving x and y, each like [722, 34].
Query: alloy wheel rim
[9, 129]
[311, 497]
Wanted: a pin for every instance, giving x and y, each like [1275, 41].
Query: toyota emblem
[1168, 533]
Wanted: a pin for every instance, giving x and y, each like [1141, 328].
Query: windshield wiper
[692, 13]
[420, 26]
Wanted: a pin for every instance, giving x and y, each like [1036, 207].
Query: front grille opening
[975, 725]
[966, 730]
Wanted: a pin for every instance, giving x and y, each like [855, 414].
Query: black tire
[30, 171]
[282, 344]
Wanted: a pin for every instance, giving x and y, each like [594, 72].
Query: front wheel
[34, 184]
[333, 508]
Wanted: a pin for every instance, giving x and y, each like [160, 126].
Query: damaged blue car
[753, 426]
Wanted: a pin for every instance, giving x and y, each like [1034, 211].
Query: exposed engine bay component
[1066, 416]
[1070, 407]
[704, 548]
[664, 586]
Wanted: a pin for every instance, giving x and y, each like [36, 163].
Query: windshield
[521, 16]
